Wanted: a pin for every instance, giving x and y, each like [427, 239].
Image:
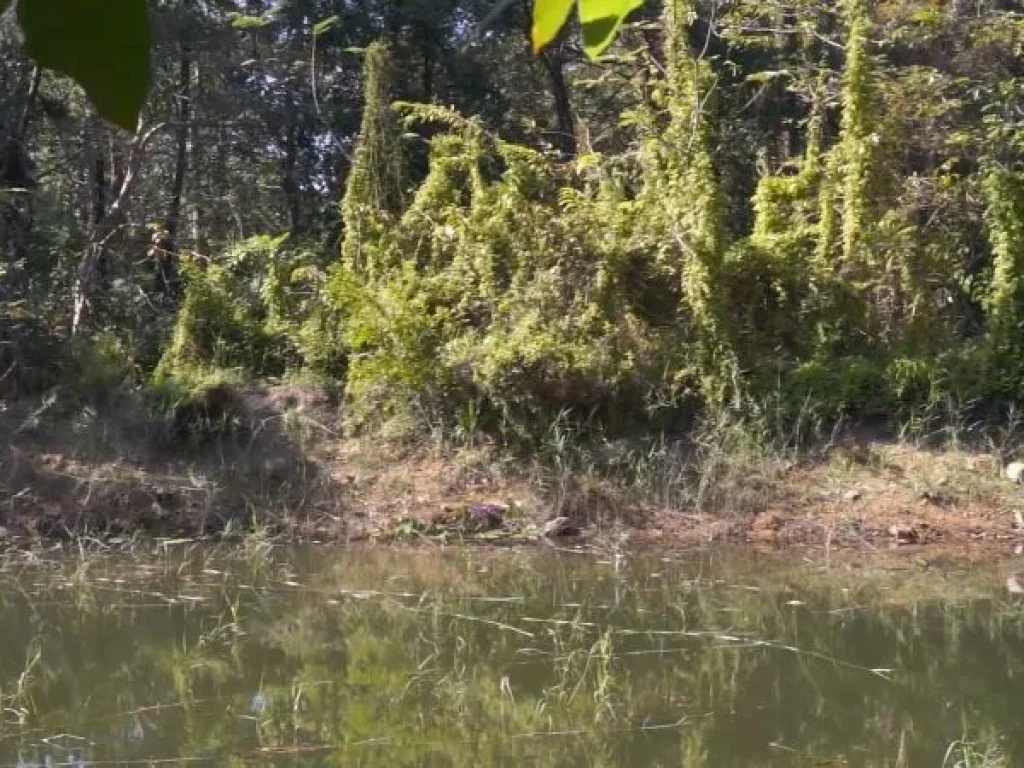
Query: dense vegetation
[800, 207]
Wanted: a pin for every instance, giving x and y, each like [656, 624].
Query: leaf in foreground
[101, 44]
[600, 20]
[549, 16]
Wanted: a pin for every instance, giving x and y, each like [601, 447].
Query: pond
[473, 657]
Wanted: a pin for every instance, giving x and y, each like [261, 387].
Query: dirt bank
[287, 466]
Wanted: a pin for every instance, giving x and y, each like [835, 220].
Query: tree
[104, 44]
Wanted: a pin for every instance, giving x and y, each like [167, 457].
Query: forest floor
[69, 470]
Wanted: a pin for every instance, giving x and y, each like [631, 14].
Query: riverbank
[280, 462]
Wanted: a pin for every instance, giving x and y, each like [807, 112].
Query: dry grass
[286, 466]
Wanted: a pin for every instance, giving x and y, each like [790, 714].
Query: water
[478, 658]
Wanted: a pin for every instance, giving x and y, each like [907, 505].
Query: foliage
[374, 181]
[825, 215]
[233, 316]
[1004, 215]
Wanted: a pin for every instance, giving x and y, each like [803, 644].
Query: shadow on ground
[69, 467]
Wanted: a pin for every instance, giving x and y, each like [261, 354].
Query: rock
[1018, 521]
[559, 526]
[903, 533]
[486, 516]
[851, 496]
[1015, 471]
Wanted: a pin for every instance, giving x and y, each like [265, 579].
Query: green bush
[242, 312]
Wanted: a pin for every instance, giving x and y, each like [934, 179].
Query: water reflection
[371, 657]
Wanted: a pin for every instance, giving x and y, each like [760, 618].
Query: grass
[975, 754]
[276, 459]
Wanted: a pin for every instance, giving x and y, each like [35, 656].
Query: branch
[135, 151]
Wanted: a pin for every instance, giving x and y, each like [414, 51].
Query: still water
[387, 657]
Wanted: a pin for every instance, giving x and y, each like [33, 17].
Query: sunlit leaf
[549, 16]
[101, 44]
[600, 20]
[241, 21]
[323, 26]
[767, 75]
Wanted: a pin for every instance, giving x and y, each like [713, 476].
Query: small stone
[1018, 521]
[903, 533]
[486, 516]
[851, 496]
[559, 526]
[1015, 471]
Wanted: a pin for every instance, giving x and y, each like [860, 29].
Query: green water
[475, 658]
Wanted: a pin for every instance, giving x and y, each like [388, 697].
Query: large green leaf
[101, 44]
[599, 21]
[549, 16]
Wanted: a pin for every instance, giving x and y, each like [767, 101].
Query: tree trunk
[427, 52]
[197, 162]
[289, 182]
[554, 65]
[15, 173]
[105, 228]
[182, 111]
[166, 251]
[565, 139]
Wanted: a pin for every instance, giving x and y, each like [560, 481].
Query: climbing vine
[373, 188]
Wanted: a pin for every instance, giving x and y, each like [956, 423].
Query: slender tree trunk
[16, 213]
[197, 162]
[289, 182]
[30, 98]
[554, 65]
[182, 112]
[566, 137]
[167, 248]
[427, 52]
[98, 187]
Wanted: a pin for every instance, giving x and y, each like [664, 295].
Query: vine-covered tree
[448, 211]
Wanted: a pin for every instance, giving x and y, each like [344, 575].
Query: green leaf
[3, 6]
[322, 26]
[241, 21]
[600, 20]
[549, 16]
[101, 44]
